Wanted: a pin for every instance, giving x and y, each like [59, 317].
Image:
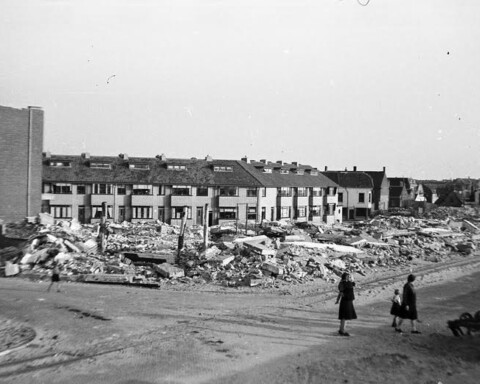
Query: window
[142, 189]
[361, 197]
[58, 188]
[331, 191]
[252, 213]
[284, 212]
[267, 170]
[369, 197]
[181, 190]
[316, 210]
[302, 211]
[302, 192]
[313, 173]
[61, 211]
[227, 213]
[81, 189]
[139, 166]
[222, 169]
[161, 214]
[172, 167]
[142, 212]
[251, 192]
[284, 171]
[317, 191]
[202, 191]
[299, 171]
[102, 189]
[100, 165]
[97, 212]
[121, 189]
[284, 191]
[228, 191]
[264, 192]
[161, 190]
[340, 197]
[59, 163]
[177, 212]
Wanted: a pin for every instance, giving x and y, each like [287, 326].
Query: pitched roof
[277, 179]
[188, 172]
[196, 172]
[350, 179]
[377, 177]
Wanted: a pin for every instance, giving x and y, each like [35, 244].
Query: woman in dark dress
[346, 297]
[408, 309]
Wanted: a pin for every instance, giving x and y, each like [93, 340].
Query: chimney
[123, 156]
[245, 159]
[326, 168]
[252, 161]
[294, 163]
[354, 168]
[208, 158]
[161, 157]
[279, 162]
[48, 155]
[264, 161]
[86, 155]
[384, 168]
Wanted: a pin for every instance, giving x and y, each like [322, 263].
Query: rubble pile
[239, 255]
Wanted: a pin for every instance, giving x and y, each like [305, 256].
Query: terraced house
[208, 190]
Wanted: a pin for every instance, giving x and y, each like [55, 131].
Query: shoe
[343, 333]
[398, 330]
[417, 332]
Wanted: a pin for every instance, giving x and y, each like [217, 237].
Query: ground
[90, 333]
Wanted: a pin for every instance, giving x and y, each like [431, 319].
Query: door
[81, 214]
[199, 219]
[121, 213]
[210, 218]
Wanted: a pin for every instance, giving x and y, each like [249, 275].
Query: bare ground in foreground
[117, 334]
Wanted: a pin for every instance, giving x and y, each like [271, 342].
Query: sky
[393, 83]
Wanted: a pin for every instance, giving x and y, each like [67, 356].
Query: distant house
[401, 192]
[453, 199]
[355, 193]
[381, 189]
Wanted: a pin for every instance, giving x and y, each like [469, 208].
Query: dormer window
[299, 171]
[139, 166]
[60, 163]
[172, 167]
[267, 170]
[222, 169]
[313, 173]
[284, 171]
[100, 165]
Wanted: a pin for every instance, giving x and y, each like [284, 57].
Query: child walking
[396, 307]
[55, 277]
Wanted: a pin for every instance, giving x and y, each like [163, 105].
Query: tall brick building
[21, 144]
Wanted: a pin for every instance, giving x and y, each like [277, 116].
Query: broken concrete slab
[169, 271]
[11, 269]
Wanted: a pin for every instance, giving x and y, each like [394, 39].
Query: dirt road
[116, 334]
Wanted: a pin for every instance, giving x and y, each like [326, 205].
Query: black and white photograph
[239, 191]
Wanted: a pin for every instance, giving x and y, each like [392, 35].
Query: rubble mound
[254, 255]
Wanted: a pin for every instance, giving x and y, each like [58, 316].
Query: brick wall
[20, 162]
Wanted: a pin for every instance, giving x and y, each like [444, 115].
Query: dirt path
[116, 334]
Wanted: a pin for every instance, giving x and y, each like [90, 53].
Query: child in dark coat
[396, 307]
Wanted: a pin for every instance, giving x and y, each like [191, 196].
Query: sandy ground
[117, 334]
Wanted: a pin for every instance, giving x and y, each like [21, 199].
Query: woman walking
[409, 305]
[345, 296]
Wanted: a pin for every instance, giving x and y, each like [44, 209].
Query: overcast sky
[395, 83]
